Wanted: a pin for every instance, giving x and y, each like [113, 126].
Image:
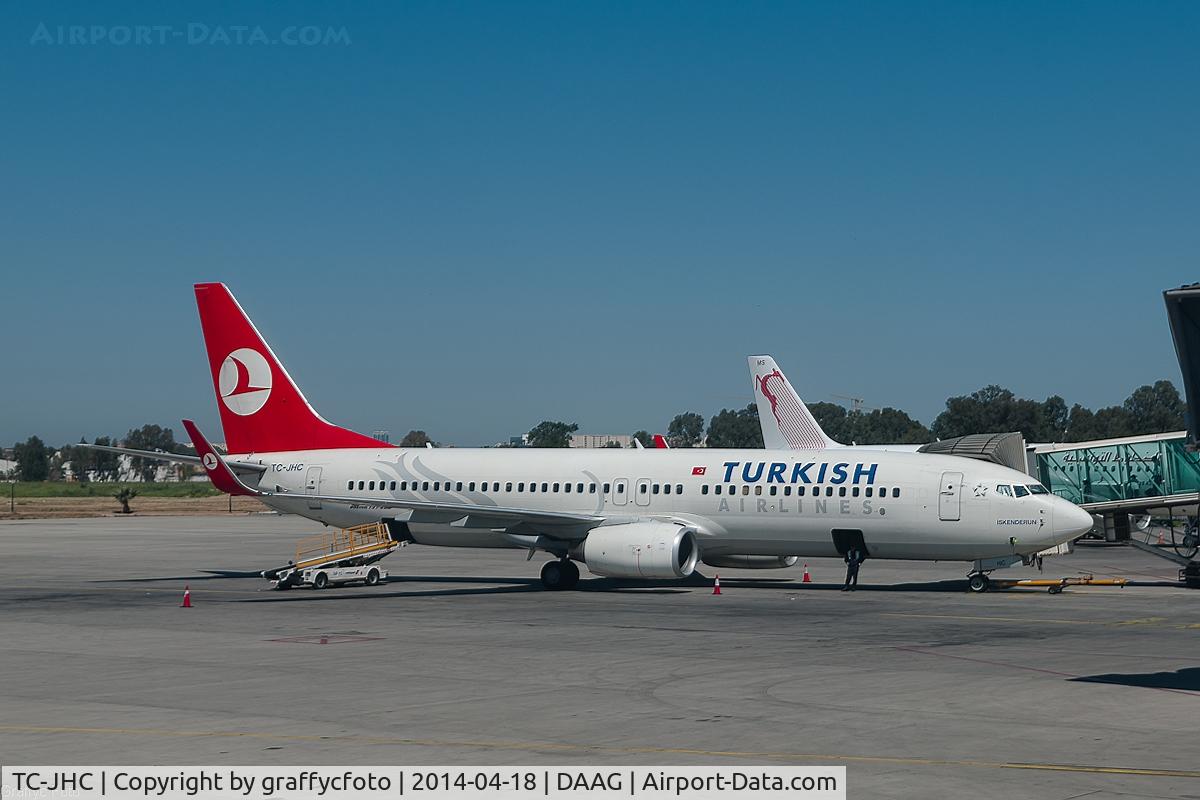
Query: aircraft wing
[472, 516]
[239, 466]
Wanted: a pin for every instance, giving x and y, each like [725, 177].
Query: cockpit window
[1037, 488]
[1020, 490]
[1004, 489]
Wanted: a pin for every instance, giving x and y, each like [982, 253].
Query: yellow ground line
[585, 748]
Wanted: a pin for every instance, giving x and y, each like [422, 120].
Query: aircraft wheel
[553, 576]
[372, 577]
[321, 581]
[570, 574]
[978, 583]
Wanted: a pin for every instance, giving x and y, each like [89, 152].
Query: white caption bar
[423, 783]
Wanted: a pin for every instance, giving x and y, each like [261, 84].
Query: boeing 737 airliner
[624, 513]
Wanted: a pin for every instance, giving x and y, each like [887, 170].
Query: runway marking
[995, 619]
[586, 748]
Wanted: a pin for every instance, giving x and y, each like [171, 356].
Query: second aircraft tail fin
[786, 422]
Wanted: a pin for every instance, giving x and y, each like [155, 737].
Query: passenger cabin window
[471, 486]
[437, 486]
[854, 492]
[895, 491]
[392, 486]
[704, 489]
[841, 491]
[508, 486]
[496, 486]
[458, 486]
[1004, 489]
[556, 486]
[545, 487]
[642, 489]
[567, 488]
[591, 488]
[758, 491]
[607, 488]
[745, 491]
[829, 491]
[579, 488]
[1020, 490]
[655, 489]
[349, 484]
[787, 491]
[520, 486]
[425, 486]
[679, 488]
[371, 485]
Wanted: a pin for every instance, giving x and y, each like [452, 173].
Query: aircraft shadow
[206, 575]
[955, 586]
[334, 595]
[1185, 679]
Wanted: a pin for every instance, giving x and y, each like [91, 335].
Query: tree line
[38, 462]
[1156, 408]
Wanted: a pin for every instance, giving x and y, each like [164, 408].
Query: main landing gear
[561, 574]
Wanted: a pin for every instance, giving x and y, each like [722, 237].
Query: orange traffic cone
[717, 585]
[807, 578]
[187, 597]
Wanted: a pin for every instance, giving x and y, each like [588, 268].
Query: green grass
[64, 489]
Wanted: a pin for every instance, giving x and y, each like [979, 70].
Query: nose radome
[1071, 521]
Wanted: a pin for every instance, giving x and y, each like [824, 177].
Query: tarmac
[917, 687]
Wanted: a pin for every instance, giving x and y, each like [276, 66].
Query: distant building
[382, 436]
[600, 439]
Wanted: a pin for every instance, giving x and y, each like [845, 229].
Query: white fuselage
[784, 503]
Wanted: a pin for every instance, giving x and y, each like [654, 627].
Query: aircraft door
[312, 485]
[620, 492]
[950, 497]
[641, 492]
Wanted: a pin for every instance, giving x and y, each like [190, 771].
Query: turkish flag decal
[699, 470]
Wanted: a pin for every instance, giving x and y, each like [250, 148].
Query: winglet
[219, 472]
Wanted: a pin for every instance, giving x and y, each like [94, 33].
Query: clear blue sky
[475, 216]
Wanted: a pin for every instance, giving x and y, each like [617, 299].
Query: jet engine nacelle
[750, 562]
[640, 550]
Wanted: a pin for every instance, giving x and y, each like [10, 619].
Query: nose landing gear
[560, 575]
[978, 582]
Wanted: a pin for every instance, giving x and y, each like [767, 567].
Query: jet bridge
[1006, 449]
